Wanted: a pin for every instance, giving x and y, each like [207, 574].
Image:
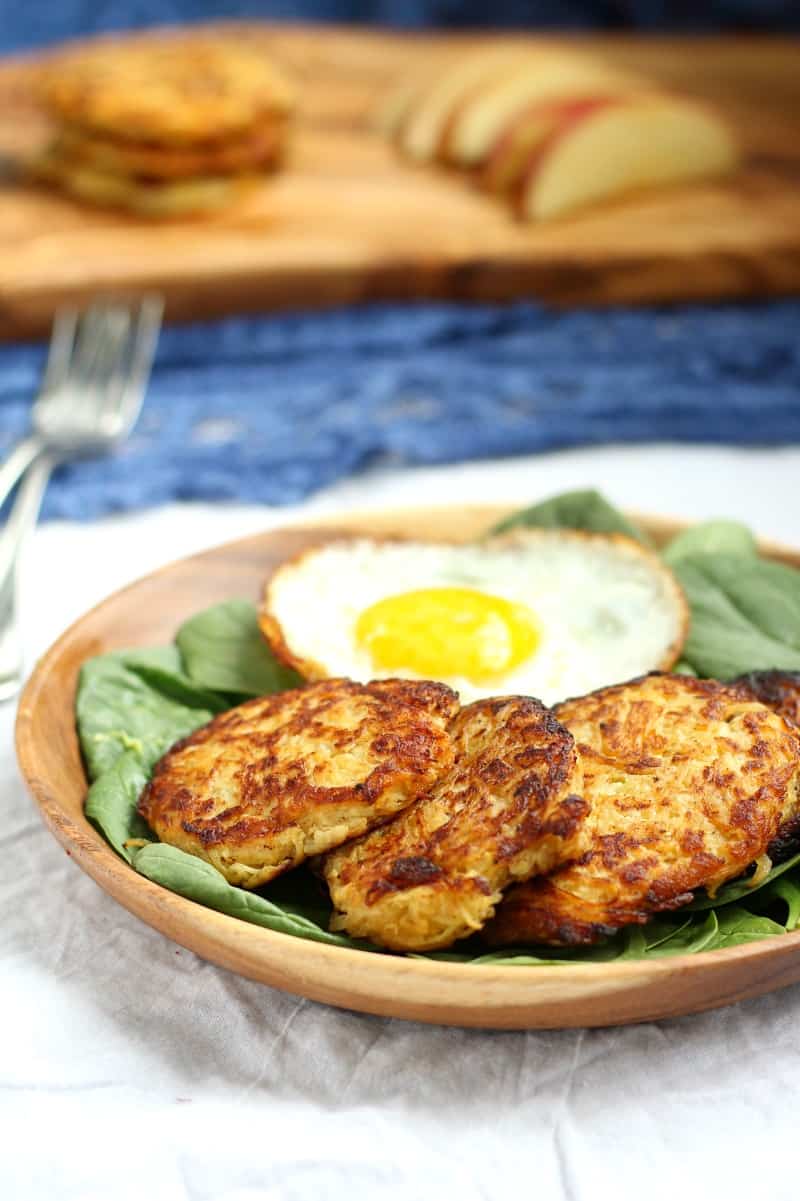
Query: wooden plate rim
[223, 934]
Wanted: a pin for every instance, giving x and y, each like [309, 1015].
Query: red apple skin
[724, 154]
[501, 166]
[560, 115]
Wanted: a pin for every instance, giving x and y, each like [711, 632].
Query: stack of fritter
[570, 824]
[162, 124]
[688, 783]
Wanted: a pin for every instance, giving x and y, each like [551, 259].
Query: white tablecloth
[130, 1069]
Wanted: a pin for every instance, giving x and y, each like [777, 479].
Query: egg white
[606, 609]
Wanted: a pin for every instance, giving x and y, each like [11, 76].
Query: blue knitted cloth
[272, 408]
[26, 25]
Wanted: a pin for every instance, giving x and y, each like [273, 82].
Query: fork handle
[17, 464]
[21, 522]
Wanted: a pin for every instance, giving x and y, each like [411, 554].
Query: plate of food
[468, 766]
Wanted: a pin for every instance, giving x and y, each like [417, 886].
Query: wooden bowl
[149, 612]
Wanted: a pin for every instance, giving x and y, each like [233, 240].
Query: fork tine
[87, 341]
[102, 336]
[101, 365]
[62, 341]
[113, 349]
[140, 359]
[98, 368]
[123, 389]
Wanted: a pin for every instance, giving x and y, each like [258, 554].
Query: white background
[131, 1069]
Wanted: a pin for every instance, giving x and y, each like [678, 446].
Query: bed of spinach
[133, 705]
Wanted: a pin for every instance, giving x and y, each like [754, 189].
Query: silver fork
[91, 396]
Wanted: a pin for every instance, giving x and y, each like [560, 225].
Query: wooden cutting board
[348, 220]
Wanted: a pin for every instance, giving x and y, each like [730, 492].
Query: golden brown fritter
[688, 782]
[509, 807]
[145, 198]
[282, 777]
[780, 690]
[254, 151]
[165, 88]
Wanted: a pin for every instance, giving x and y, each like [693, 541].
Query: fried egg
[543, 613]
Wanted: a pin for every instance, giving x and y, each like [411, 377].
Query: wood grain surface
[348, 220]
[149, 612]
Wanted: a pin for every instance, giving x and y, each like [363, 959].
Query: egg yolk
[441, 633]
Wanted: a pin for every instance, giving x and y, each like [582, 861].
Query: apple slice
[483, 115]
[420, 133]
[516, 146]
[645, 142]
[397, 104]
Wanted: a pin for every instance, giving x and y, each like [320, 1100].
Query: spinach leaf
[198, 881]
[684, 934]
[119, 709]
[530, 956]
[740, 889]
[745, 614]
[711, 538]
[301, 893]
[111, 803]
[767, 593]
[179, 688]
[223, 649]
[784, 890]
[695, 934]
[582, 510]
[511, 958]
[659, 938]
[737, 926]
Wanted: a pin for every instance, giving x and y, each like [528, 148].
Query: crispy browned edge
[570, 931]
[779, 690]
[309, 669]
[108, 154]
[537, 806]
[159, 805]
